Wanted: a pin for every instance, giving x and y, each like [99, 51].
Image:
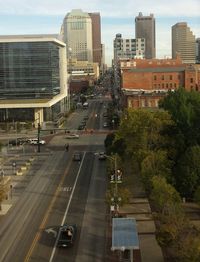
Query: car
[102, 156]
[66, 235]
[81, 127]
[14, 142]
[77, 156]
[34, 141]
[83, 122]
[105, 124]
[72, 136]
[86, 117]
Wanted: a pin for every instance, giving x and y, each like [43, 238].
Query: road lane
[21, 224]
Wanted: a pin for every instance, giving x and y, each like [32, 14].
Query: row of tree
[165, 147]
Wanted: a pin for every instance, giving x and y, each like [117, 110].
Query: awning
[124, 234]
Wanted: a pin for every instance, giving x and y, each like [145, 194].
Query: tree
[197, 195]
[140, 131]
[184, 107]
[187, 173]
[164, 196]
[155, 164]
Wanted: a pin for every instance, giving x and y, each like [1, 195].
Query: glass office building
[29, 70]
[33, 72]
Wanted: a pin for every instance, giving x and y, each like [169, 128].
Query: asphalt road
[61, 191]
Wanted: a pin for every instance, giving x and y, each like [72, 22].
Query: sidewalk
[139, 209]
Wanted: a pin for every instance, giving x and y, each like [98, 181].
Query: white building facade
[77, 34]
[128, 48]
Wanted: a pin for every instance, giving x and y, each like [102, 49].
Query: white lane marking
[67, 209]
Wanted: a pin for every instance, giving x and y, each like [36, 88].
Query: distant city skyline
[46, 17]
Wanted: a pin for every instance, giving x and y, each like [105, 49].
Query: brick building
[145, 81]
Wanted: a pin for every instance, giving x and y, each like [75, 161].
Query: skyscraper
[183, 43]
[145, 28]
[77, 34]
[198, 50]
[96, 37]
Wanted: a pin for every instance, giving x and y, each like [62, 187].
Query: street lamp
[38, 141]
[116, 179]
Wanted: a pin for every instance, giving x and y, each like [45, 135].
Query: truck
[66, 235]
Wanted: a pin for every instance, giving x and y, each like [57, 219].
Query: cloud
[46, 16]
[107, 8]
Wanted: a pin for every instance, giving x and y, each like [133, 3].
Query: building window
[191, 80]
[174, 85]
[163, 77]
[167, 85]
[154, 77]
[170, 85]
[170, 77]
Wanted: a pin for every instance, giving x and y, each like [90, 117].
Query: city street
[61, 191]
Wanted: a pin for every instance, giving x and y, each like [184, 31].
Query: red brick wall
[137, 80]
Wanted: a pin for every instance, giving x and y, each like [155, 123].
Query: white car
[72, 136]
[34, 141]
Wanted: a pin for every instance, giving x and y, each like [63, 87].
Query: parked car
[77, 156]
[72, 136]
[66, 235]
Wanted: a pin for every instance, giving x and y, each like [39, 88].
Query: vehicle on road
[86, 117]
[85, 105]
[66, 235]
[72, 136]
[34, 141]
[105, 124]
[81, 127]
[77, 156]
[14, 142]
[102, 156]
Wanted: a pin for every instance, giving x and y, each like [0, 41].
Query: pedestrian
[67, 147]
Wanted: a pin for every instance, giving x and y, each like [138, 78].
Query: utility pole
[116, 178]
[38, 142]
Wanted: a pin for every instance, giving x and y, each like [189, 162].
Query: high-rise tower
[96, 37]
[145, 28]
[183, 43]
[77, 34]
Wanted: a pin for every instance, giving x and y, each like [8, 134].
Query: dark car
[15, 142]
[81, 127]
[66, 235]
[77, 156]
[102, 156]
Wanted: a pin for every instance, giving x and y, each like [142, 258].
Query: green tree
[197, 195]
[164, 196]
[155, 164]
[140, 131]
[187, 172]
[184, 107]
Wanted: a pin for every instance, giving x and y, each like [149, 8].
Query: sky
[46, 17]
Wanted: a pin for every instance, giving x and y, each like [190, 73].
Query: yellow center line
[42, 225]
